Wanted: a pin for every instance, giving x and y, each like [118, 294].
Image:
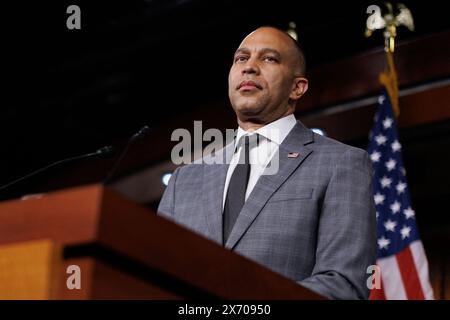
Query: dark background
[140, 62]
[69, 92]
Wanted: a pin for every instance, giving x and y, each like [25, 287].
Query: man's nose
[250, 68]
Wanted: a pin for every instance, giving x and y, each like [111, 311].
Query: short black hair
[301, 53]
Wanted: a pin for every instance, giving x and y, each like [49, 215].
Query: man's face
[263, 76]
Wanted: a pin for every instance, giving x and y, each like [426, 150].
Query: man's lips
[248, 85]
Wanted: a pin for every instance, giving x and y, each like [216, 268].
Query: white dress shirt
[270, 138]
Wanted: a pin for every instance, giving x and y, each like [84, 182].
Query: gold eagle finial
[389, 22]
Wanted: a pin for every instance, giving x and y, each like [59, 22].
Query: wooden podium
[114, 249]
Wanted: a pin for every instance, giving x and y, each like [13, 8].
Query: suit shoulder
[189, 169]
[329, 145]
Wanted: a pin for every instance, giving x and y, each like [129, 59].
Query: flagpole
[388, 79]
[389, 22]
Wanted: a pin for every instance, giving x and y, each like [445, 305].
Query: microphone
[144, 131]
[100, 153]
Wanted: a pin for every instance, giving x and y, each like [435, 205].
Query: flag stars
[379, 198]
[395, 207]
[383, 243]
[375, 156]
[380, 139]
[386, 182]
[401, 186]
[405, 231]
[390, 225]
[409, 213]
[396, 146]
[390, 165]
[387, 123]
[395, 218]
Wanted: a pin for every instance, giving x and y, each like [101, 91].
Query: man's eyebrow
[242, 50]
[262, 50]
[270, 50]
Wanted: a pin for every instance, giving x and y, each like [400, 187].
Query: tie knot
[249, 142]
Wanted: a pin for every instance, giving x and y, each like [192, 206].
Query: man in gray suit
[312, 218]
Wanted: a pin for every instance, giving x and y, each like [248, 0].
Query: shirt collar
[275, 131]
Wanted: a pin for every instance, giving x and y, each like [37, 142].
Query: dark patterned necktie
[235, 198]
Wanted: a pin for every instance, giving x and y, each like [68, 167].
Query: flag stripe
[390, 275]
[409, 275]
[420, 260]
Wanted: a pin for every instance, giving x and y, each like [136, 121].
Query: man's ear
[299, 88]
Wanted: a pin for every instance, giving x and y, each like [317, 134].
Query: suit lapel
[214, 176]
[268, 184]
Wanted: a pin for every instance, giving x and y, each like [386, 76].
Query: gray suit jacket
[313, 222]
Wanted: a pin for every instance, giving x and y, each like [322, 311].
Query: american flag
[401, 256]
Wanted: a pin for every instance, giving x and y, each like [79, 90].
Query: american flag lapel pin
[293, 155]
